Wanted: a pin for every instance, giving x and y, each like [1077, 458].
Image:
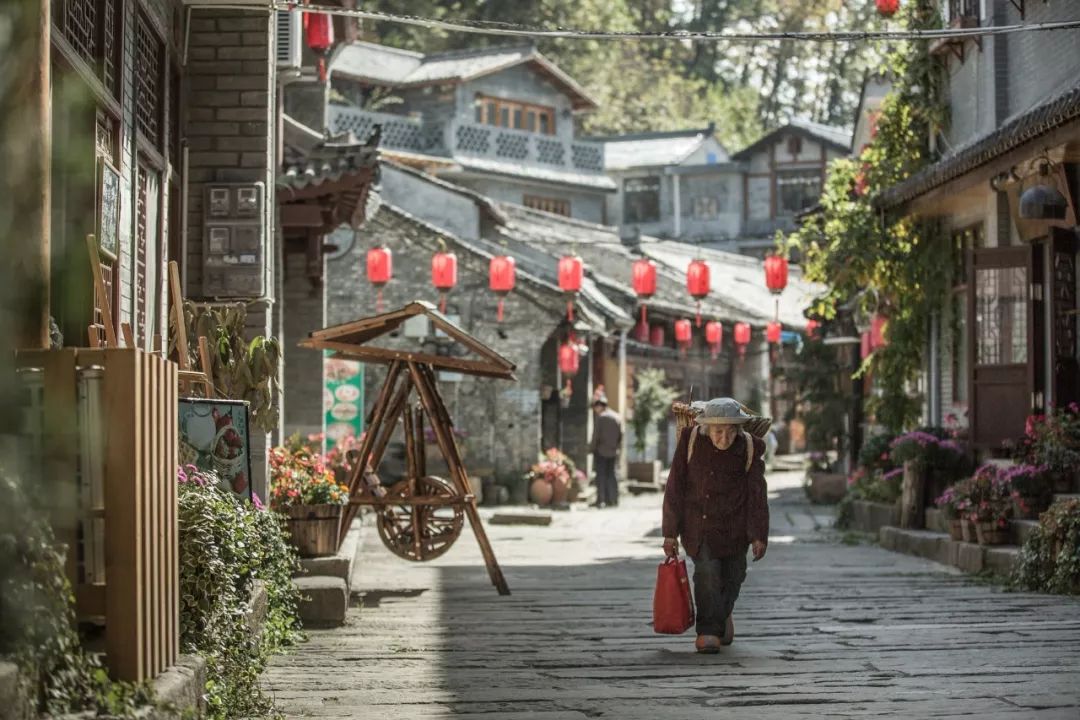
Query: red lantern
[641, 332]
[812, 327]
[776, 273]
[569, 360]
[742, 336]
[887, 8]
[443, 275]
[656, 336]
[714, 337]
[380, 269]
[877, 332]
[772, 332]
[571, 273]
[319, 33]
[502, 275]
[683, 332]
[697, 283]
[643, 277]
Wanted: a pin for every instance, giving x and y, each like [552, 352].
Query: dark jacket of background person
[607, 434]
[713, 499]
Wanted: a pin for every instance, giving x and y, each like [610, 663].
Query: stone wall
[501, 418]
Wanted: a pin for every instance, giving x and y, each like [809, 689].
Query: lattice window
[80, 28]
[1001, 311]
[515, 147]
[473, 140]
[1064, 305]
[142, 230]
[551, 152]
[105, 136]
[587, 157]
[110, 28]
[149, 85]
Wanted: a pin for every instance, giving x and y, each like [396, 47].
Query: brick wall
[502, 418]
[230, 128]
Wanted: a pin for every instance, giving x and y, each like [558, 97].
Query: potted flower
[550, 480]
[1032, 490]
[955, 498]
[991, 505]
[1050, 558]
[1053, 440]
[304, 490]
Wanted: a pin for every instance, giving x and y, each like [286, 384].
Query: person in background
[716, 502]
[606, 441]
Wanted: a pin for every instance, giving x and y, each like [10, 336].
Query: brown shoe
[729, 632]
[709, 644]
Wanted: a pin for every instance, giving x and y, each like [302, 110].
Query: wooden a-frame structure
[409, 518]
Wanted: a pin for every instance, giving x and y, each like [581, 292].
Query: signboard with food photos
[343, 399]
[214, 437]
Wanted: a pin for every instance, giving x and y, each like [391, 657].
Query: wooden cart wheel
[420, 532]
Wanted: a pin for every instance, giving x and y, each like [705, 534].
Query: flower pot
[967, 531]
[541, 492]
[560, 489]
[956, 529]
[313, 529]
[991, 533]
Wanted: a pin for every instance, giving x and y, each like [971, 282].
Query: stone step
[1066, 496]
[340, 564]
[940, 548]
[324, 600]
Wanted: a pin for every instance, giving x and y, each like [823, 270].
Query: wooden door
[1002, 364]
[1064, 370]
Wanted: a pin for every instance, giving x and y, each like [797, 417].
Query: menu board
[343, 399]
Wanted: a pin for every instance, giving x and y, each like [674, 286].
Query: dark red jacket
[714, 499]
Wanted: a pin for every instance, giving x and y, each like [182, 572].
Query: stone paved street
[824, 630]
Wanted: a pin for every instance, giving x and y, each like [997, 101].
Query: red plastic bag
[673, 607]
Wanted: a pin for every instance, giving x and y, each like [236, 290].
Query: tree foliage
[898, 267]
[661, 85]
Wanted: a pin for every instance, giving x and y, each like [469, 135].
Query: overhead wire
[494, 27]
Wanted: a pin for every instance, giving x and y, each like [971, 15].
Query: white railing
[468, 139]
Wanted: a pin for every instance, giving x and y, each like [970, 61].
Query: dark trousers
[717, 582]
[607, 487]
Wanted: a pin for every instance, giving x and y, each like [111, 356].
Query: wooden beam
[177, 297]
[436, 410]
[100, 294]
[385, 355]
[302, 215]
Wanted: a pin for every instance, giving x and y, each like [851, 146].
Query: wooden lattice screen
[112, 454]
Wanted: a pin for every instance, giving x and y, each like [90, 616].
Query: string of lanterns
[502, 279]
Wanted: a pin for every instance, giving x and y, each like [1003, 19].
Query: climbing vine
[896, 266]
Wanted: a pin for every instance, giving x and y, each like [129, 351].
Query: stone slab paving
[824, 629]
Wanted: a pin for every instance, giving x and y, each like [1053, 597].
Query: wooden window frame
[514, 114]
[556, 206]
[964, 241]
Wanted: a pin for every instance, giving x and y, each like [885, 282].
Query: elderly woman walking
[716, 503]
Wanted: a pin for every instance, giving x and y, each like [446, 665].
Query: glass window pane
[1001, 316]
[530, 121]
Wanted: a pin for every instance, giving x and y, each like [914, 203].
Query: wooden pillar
[25, 152]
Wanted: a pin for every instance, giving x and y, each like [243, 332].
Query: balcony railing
[465, 139]
[398, 132]
[533, 149]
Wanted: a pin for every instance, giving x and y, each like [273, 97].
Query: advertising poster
[343, 399]
[214, 437]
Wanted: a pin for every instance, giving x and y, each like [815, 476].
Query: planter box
[647, 472]
[870, 517]
[825, 488]
[313, 529]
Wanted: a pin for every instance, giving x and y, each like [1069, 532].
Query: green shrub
[224, 547]
[1050, 558]
[38, 627]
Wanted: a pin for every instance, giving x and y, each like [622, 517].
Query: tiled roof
[645, 151]
[391, 66]
[838, 138]
[312, 160]
[517, 169]
[1057, 110]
